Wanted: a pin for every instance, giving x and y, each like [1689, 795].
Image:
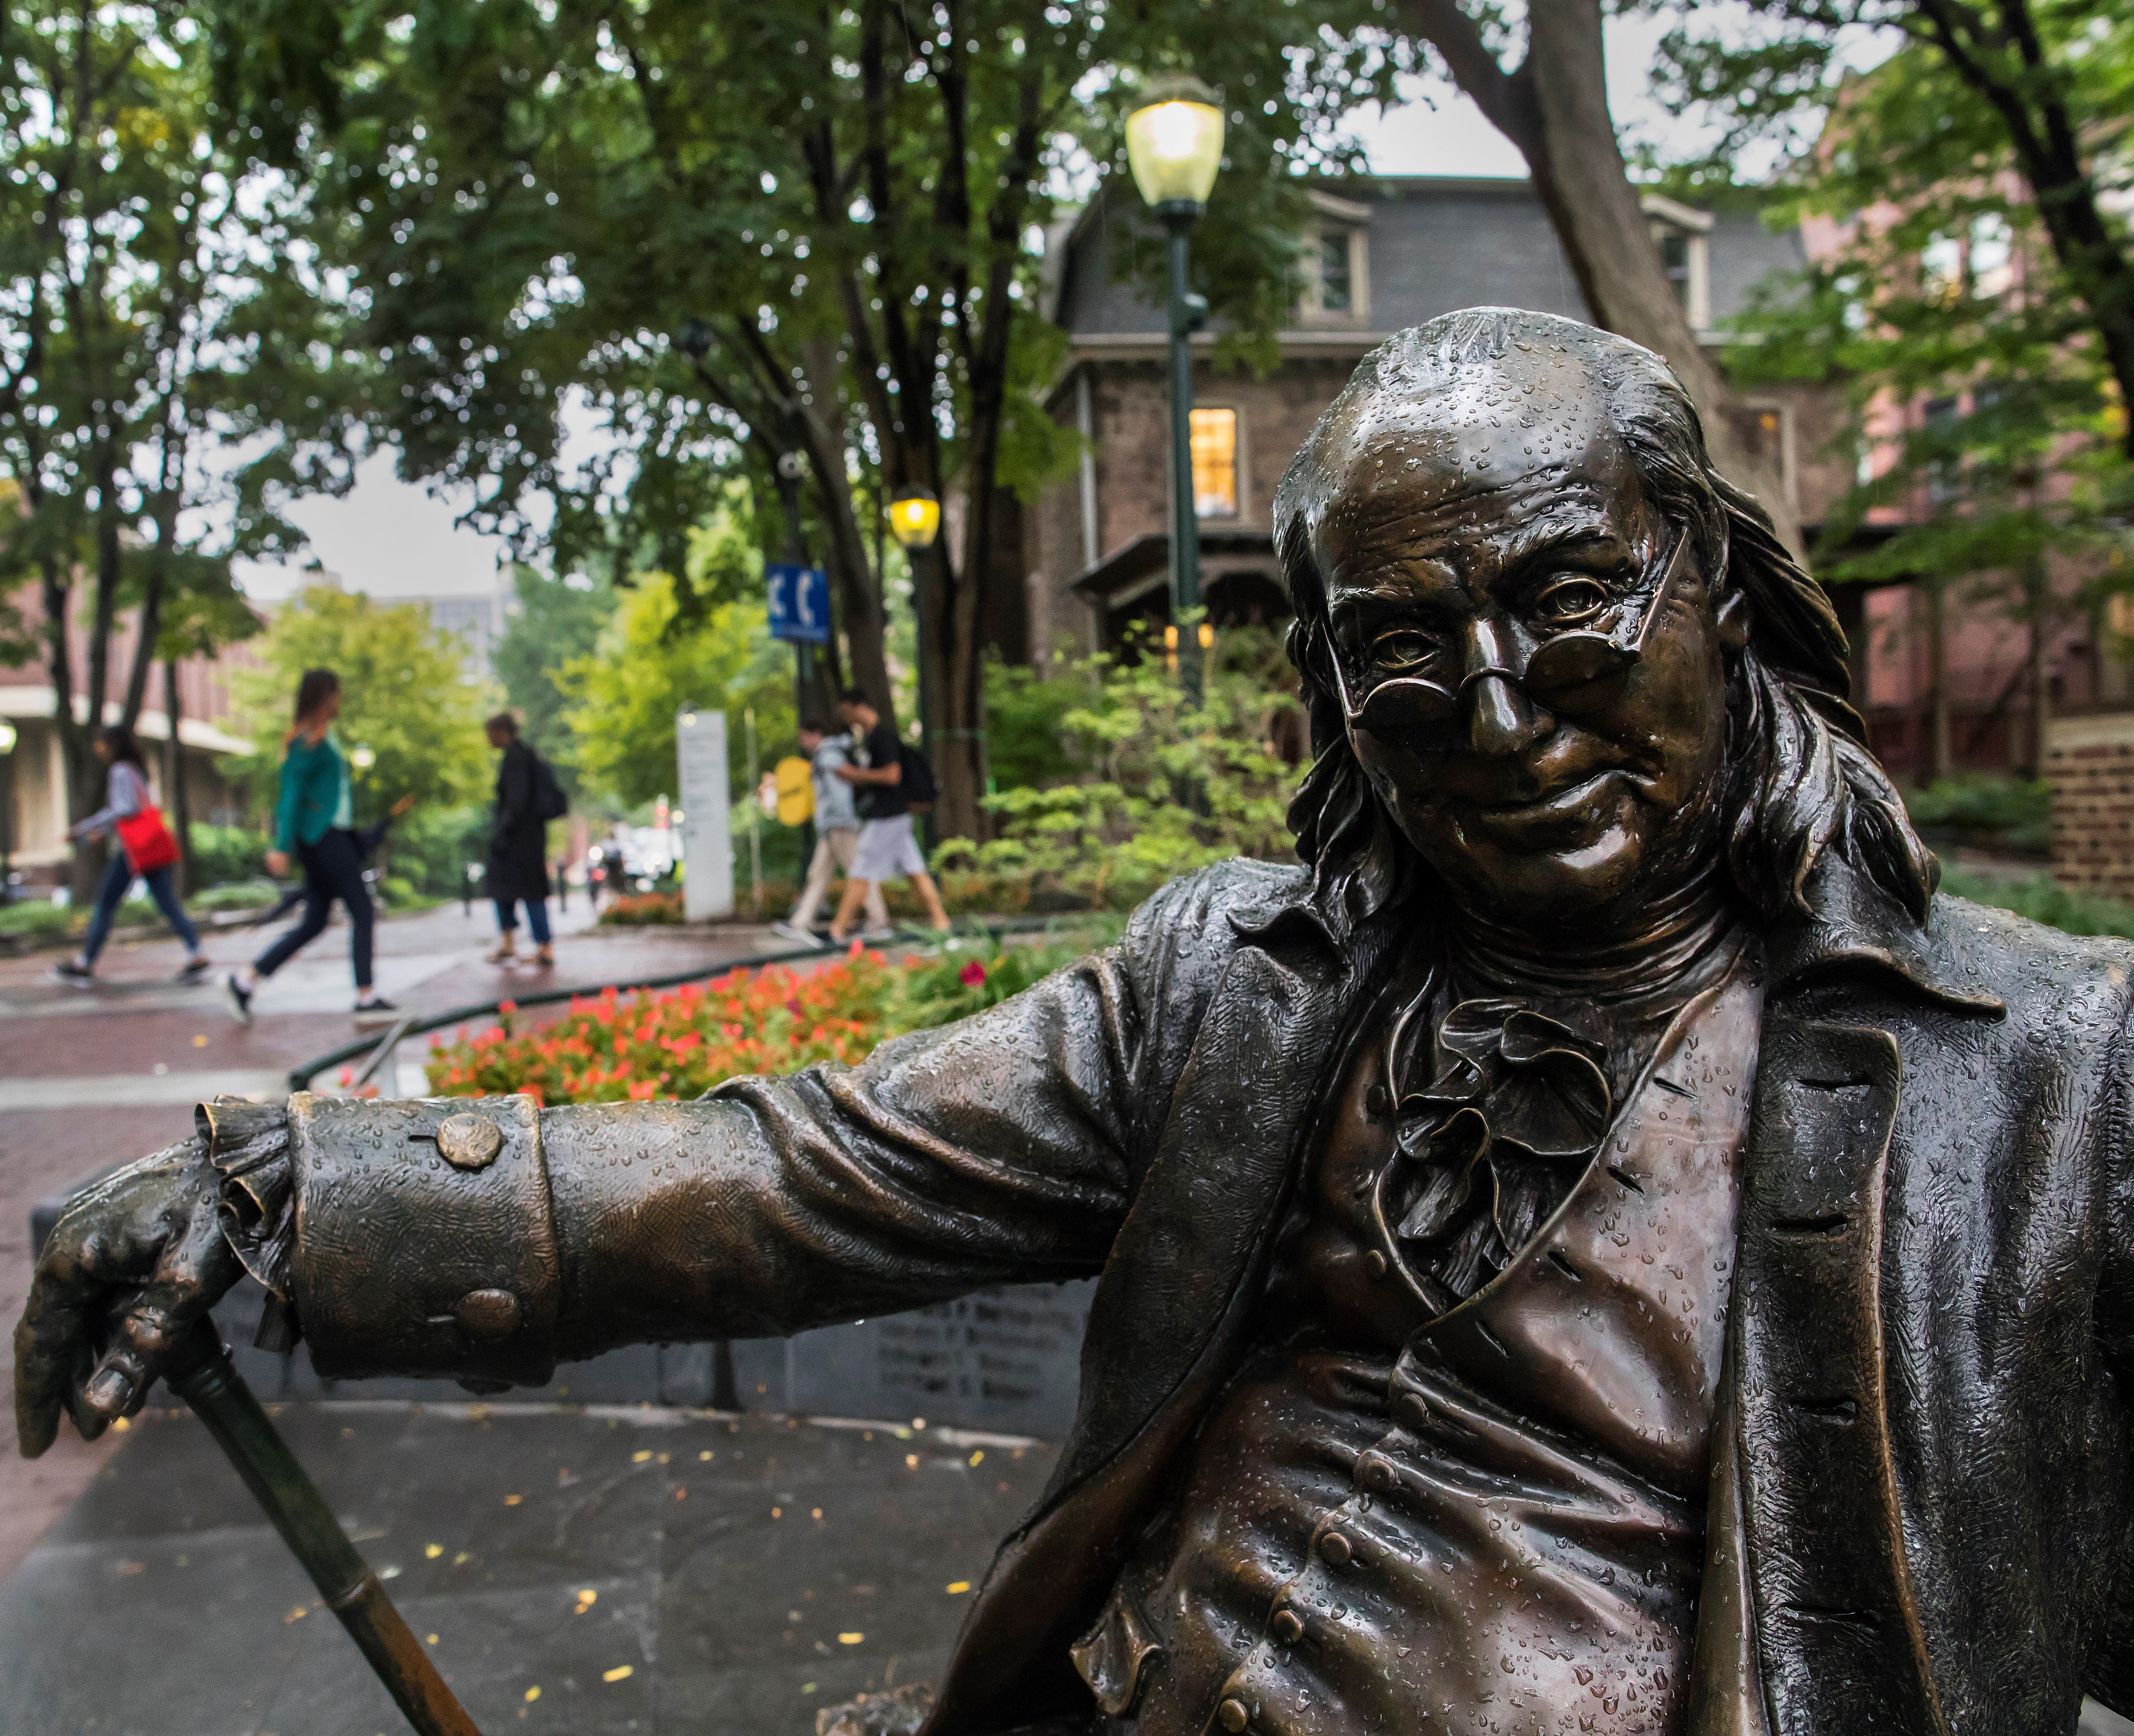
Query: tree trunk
[1555, 108]
[78, 765]
[857, 586]
[177, 809]
[1938, 713]
[2037, 585]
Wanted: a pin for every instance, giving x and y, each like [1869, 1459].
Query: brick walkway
[90, 1076]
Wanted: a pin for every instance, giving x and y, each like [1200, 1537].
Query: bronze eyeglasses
[1570, 674]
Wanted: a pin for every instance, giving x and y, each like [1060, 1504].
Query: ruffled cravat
[1516, 1106]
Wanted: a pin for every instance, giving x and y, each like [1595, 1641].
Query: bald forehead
[1516, 418]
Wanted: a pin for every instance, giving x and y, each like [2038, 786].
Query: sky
[394, 538]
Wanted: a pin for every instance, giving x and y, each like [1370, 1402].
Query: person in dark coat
[518, 845]
[1602, 1244]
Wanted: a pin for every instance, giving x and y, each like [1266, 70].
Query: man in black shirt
[887, 848]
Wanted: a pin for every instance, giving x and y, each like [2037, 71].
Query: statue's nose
[1501, 719]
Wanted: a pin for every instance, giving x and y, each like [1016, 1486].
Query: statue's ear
[1736, 615]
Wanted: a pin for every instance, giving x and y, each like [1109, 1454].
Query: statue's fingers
[144, 1332]
[52, 1348]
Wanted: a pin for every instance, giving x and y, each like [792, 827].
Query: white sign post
[708, 878]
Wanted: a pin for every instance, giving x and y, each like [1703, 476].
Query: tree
[559, 621]
[202, 612]
[644, 672]
[405, 696]
[1975, 343]
[1553, 104]
[756, 228]
[2042, 89]
[152, 315]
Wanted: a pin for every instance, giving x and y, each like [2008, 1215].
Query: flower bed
[680, 1042]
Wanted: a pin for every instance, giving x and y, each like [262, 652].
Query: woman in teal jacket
[314, 822]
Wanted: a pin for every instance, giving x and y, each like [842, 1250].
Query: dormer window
[1336, 280]
[1335, 263]
[1683, 237]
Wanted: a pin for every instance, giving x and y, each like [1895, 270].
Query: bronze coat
[1922, 1493]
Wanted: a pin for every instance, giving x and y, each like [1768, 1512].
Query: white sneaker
[799, 936]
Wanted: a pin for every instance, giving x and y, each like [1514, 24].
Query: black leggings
[333, 868]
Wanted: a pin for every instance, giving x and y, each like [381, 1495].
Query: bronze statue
[1601, 1247]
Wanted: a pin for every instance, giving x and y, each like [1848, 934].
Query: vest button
[1232, 1715]
[1374, 1263]
[1334, 1550]
[1377, 1101]
[1375, 1472]
[1287, 1627]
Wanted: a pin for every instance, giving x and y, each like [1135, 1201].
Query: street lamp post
[1174, 147]
[7, 812]
[915, 520]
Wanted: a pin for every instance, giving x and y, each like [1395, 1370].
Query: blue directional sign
[800, 602]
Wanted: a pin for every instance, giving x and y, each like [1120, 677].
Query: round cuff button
[469, 1141]
[1232, 1715]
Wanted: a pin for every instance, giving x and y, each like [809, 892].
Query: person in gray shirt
[837, 835]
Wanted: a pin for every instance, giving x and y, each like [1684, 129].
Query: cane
[204, 1378]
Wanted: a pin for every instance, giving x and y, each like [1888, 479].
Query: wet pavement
[579, 1570]
[88, 1077]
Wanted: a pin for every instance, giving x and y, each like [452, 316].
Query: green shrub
[1986, 808]
[2044, 900]
[222, 854]
[430, 847]
[253, 894]
[1027, 745]
[1159, 789]
[398, 891]
[37, 919]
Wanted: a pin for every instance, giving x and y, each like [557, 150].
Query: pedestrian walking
[837, 835]
[145, 848]
[315, 823]
[528, 797]
[887, 778]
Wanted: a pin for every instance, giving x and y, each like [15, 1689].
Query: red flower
[972, 975]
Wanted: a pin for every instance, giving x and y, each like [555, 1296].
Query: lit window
[1336, 287]
[1214, 438]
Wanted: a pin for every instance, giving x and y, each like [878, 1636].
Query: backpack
[549, 801]
[917, 783]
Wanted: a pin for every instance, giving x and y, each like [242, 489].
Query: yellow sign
[796, 790]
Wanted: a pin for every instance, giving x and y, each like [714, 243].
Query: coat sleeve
[1005, 1148]
[295, 764]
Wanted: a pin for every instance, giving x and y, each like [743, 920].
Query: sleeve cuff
[424, 1241]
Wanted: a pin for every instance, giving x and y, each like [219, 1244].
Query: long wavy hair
[1800, 779]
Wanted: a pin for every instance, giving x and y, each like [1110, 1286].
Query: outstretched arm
[488, 1240]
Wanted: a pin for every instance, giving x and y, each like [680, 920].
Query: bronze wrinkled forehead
[1435, 411]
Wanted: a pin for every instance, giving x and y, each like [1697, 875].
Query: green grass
[2041, 900]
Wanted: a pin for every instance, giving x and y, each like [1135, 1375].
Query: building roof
[1437, 243]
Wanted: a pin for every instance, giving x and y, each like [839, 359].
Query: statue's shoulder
[1218, 900]
[2042, 973]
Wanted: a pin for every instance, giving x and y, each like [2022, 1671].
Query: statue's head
[1554, 661]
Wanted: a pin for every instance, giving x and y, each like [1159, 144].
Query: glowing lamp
[1174, 141]
[914, 518]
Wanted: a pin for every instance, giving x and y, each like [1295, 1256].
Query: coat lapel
[1837, 1631]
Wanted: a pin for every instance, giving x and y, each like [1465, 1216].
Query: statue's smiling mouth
[1566, 803]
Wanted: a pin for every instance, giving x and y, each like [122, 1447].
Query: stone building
[1384, 255]
[1389, 253]
[33, 797]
